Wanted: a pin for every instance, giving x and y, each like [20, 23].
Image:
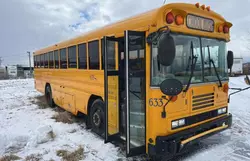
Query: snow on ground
[23, 127]
[27, 129]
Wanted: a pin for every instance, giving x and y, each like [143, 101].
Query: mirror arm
[238, 91]
[163, 113]
[155, 35]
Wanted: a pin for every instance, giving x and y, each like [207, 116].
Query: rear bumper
[171, 145]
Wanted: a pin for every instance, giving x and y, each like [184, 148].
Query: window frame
[42, 60]
[66, 67]
[86, 56]
[58, 59]
[34, 61]
[46, 55]
[68, 57]
[51, 53]
[89, 57]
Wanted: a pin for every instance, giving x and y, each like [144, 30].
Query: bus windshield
[181, 67]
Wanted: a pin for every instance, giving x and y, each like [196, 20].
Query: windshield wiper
[212, 61]
[209, 58]
[193, 61]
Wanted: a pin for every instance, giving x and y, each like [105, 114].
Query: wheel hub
[96, 119]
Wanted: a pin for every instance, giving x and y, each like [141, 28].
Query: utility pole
[1, 60]
[29, 61]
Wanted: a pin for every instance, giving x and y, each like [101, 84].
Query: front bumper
[169, 146]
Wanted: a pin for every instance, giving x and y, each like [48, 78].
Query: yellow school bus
[157, 81]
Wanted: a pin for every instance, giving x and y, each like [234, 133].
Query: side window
[42, 61]
[38, 61]
[82, 56]
[63, 59]
[111, 54]
[51, 60]
[35, 62]
[93, 48]
[46, 60]
[56, 57]
[72, 56]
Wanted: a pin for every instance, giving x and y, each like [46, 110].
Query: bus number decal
[155, 102]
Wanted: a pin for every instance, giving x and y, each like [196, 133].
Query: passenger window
[72, 56]
[35, 62]
[111, 55]
[42, 61]
[56, 57]
[51, 60]
[94, 55]
[46, 60]
[38, 61]
[82, 56]
[63, 59]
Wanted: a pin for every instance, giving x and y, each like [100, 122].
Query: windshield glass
[218, 55]
[181, 67]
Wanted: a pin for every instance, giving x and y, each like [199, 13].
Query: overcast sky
[27, 25]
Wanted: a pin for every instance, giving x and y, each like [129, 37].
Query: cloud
[27, 25]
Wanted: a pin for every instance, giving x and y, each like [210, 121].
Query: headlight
[178, 123]
[222, 111]
[175, 124]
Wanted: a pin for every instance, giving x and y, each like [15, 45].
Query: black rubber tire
[97, 118]
[48, 96]
[156, 158]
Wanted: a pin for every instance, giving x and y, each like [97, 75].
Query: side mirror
[166, 49]
[171, 87]
[247, 80]
[230, 59]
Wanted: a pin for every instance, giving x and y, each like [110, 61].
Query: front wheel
[48, 95]
[97, 118]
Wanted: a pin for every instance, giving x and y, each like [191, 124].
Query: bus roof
[139, 22]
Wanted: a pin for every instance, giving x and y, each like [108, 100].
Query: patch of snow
[42, 135]
[25, 129]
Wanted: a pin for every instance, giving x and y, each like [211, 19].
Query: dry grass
[33, 157]
[10, 157]
[64, 117]
[71, 156]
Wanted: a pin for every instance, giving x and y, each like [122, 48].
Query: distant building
[237, 68]
[27, 73]
[246, 68]
[15, 71]
[3, 73]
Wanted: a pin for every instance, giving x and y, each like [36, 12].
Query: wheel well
[92, 98]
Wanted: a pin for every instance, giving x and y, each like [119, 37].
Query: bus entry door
[111, 87]
[135, 92]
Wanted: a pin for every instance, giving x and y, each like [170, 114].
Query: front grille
[203, 101]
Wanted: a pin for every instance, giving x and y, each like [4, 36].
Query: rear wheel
[48, 95]
[97, 118]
